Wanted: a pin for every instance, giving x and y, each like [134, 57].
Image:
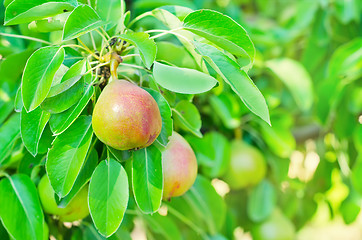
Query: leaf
[147, 178]
[166, 114]
[213, 153]
[32, 125]
[119, 155]
[179, 57]
[83, 19]
[108, 196]
[222, 31]
[204, 205]
[172, 22]
[25, 11]
[188, 117]
[18, 103]
[279, 137]
[90, 163]
[70, 77]
[261, 201]
[164, 226]
[9, 132]
[238, 80]
[110, 11]
[7, 96]
[296, 78]
[62, 121]
[227, 108]
[346, 62]
[28, 163]
[16, 62]
[204, 197]
[63, 101]
[182, 80]
[38, 75]
[145, 45]
[67, 155]
[23, 216]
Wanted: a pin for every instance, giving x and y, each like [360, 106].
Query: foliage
[283, 76]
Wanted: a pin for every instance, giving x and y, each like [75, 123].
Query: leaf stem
[101, 34]
[165, 32]
[93, 42]
[99, 65]
[25, 37]
[130, 55]
[105, 33]
[132, 65]
[143, 15]
[4, 174]
[87, 49]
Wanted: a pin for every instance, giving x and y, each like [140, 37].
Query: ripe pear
[126, 116]
[247, 166]
[179, 167]
[76, 209]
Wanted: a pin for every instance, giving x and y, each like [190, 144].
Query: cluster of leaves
[47, 119]
[306, 64]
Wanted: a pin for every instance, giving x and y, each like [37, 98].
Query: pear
[126, 116]
[179, 167]
[76, 209]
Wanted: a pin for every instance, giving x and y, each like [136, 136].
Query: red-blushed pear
[179, 167]
[126, 116]
[247, 166]
[76, 209]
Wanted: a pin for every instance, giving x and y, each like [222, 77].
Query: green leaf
[62, 121]
[18, 103]
[7, 96]
[147, 178]
[67, 155]
[28, 163]
[179, 57]
[119, 155]
[24, 11]
[227, 109]
[207, 204]
[83, 19]
[172, 22]
[166, 113]
[23, 216]
[187, 117]
[110, 11]
[346, 62]
[145, 45]
[222, 31]
[70, 77]
[182, 80]
[16, 62]
[164, 226]
[38, 75]
[261, 201]
[9, 132]
[238, 79]
[213, 153]
[296, 78]
[90, 163]
[108, 196]
[279, 137]
[32, 125]
[63, 101]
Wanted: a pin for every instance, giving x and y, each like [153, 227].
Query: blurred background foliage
[308, 67]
